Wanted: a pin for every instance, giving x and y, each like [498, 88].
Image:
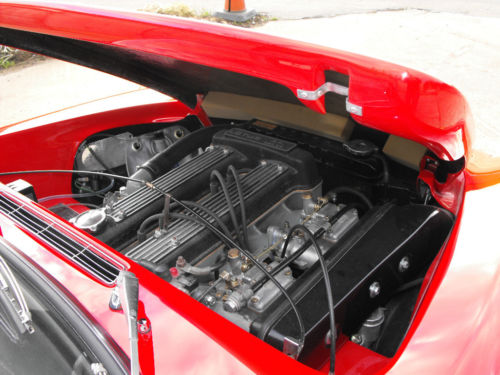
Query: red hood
[184, 58]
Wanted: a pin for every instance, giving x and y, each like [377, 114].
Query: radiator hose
[172, 155]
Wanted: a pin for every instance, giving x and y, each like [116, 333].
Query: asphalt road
[299, 9]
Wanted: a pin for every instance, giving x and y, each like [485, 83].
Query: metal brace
[322, 90]
[331, 87]
[353, 108]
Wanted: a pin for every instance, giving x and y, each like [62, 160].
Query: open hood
[186, 59]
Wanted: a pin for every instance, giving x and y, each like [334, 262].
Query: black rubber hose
[349, 190]
[212, 214]
[231, 169]
[161, 270]
[318, 234]
[328, 287]
[229, 241]
[203, 271]
[215, 174]
[168, 158]
[144, 227]
[385, 167]
[202, 222]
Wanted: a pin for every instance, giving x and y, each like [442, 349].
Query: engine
[253, 189]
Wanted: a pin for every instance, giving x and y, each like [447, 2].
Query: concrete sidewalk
[459, 49]
[300, 9]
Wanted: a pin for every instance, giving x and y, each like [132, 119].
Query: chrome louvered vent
[81, 254]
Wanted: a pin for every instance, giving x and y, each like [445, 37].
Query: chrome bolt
[404, 264]
[225, 275]
[114, 301]
[374, 289]
[357, 339]
[231, 306]
[254, 300]
[98, 369]
[175, 241]
[143, 326]
[244, 267]
[209, 300]
[181, 262]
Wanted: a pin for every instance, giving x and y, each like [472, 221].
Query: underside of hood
[185, 59]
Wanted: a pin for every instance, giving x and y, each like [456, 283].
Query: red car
[295, 209]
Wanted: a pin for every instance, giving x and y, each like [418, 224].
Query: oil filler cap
[360, 148]
[90, 221]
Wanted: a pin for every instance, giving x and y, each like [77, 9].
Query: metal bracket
[331, 87]
[322, 90]
[291, 347]
[353, 108]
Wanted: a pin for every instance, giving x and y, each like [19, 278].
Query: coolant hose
[168, 158]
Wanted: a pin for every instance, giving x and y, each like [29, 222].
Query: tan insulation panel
[239, 107]
[403, 150]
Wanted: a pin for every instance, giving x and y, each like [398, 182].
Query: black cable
[143, 229]
[212, 214]
[243, 210]
[216, 174]
[227, 239]
[385, 167]
[299, 252]
[209, 289]
[349, 190]
[328, 287]
[251, 257]
[79, 204]
[76, 171]
[91, 193]
[87, 146]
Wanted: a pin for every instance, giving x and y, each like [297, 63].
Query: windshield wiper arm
[128, 286]
[12, 298]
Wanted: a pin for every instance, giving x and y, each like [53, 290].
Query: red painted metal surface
[60, 142]
[396, 100]
[455, 324]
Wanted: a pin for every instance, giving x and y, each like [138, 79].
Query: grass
[181, 10]
[10, 57]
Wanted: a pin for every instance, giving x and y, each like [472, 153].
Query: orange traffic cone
[235, 10]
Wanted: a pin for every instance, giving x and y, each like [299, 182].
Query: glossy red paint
[61, 141]
[455, 323]
[448, 194]
[396, 100]
[454, 328]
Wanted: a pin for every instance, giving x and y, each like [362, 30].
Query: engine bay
[282, 196]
